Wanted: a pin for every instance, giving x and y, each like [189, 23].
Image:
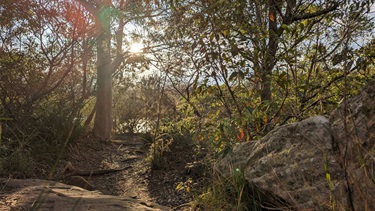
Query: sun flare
[136, 47]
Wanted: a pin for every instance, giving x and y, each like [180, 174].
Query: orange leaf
[272, 18]
[242, 134]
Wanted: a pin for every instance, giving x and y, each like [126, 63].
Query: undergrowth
[30, 147]
[228, 193]
[161, 145]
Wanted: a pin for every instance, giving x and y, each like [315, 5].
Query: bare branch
[316, 14]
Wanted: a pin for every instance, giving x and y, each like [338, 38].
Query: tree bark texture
[103, 117]
[266, 74]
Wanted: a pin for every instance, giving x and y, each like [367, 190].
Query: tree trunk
[103, 116]
[266, 74]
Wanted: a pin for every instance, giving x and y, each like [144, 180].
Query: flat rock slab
[36, 194]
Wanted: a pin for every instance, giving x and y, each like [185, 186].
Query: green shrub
[16, 154]
[38, 139]
[228, 193]
[158, 148]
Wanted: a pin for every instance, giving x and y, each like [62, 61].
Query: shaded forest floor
[181, 164]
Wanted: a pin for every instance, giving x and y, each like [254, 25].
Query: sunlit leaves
[229, 42]
[282, 80]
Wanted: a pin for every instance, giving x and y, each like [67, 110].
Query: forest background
[210, 72]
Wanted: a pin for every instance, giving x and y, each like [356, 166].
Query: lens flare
[136, 47]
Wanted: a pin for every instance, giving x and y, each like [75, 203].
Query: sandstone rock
[288, 163]
[308, 164]
[35, 194]
[353, 127]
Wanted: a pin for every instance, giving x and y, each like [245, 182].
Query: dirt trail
[182, 163]
[127, 152]
[126, 189]
[137, 186]
[44, 195]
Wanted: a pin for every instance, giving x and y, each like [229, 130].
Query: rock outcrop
[319, 163]
[35, 194]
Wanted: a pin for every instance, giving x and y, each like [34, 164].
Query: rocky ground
[180, 164]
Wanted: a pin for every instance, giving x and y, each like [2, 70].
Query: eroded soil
[46, 195]
[181, 163]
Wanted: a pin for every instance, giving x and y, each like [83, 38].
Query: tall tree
[101, 11]
[255, 64]
[103, 117]
[105, 12]
[252, 39]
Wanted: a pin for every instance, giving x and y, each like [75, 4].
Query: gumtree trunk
[103, 117]
[266, 74]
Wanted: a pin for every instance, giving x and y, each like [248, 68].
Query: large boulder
[353, 129]
[319, 163]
